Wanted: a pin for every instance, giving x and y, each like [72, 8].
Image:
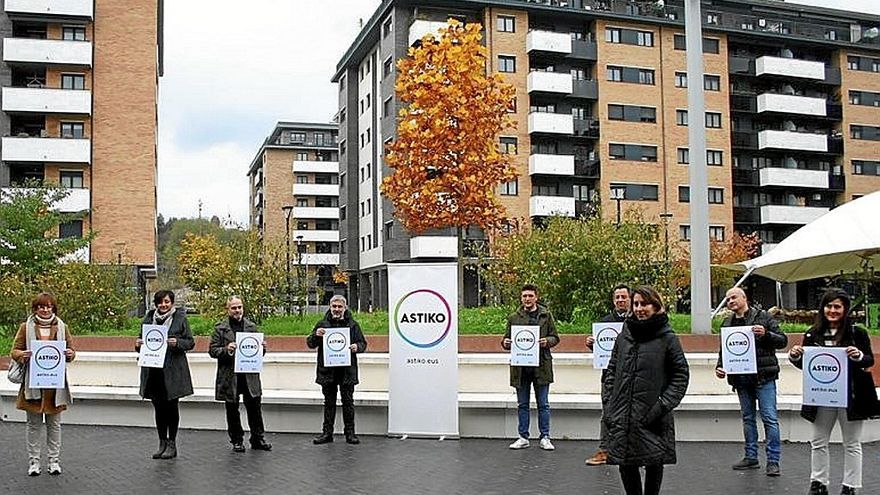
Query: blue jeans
[765, 396]
[542, 393]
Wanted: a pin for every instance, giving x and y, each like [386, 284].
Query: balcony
[24, 50]
[42, 100]
[588, 168]
[33, 149]
[585, 89]
[304, 212]
[549, 82]
[66, 8]
[801, 105]
[793, 177]
[788, 140]
[790, 215]
[551, 123]
[315, 167]
[746, 214]
[317, 235]
[433, 247]
[587, 128]
[76, 200]
[551, 165]
[789, 67]
[548, 41]
[316, 189]
[548, 206]
[320, 258]
[583, 50]
[419, 28]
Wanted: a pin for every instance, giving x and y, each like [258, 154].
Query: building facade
[792, 117]
[79, 109]
[294, 197]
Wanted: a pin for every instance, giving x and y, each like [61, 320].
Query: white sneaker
[34, 468]
[54, 467]
[546, 444]
[520, 443]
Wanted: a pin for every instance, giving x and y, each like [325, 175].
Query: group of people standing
[646, 379]
[648, 375]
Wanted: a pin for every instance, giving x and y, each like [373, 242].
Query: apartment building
[294, 194]
[79, 108]
[792, 118]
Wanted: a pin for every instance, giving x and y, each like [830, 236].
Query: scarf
[164, 319]
[645, 330]
[62, 396]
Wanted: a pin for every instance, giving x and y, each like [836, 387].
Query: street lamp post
[665, 216]
[618, 194]
[299, 275]
[287, 209]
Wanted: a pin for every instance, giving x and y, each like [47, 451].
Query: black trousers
[632, 479]
[347, 392]
[254, 414]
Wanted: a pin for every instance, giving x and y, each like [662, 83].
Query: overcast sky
[233, 69]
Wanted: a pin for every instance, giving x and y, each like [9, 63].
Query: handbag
[15, 374]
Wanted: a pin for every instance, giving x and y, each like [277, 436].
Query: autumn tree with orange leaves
[446, 161]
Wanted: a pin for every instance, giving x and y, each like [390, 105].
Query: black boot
[817, 488]
[163, 444]
[847, 490]
[170, 451]
[352, 438]
[323, 438]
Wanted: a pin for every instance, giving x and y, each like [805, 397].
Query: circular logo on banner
[423, 318]
[824, 368]
[605, 339]
[737, 343]
[48, 358]
[249, 347]
[154, 340]
[524, 340]
[336, 341]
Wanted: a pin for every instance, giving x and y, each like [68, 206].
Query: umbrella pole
[737, 284]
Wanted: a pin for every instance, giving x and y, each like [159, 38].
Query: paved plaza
[98, 459]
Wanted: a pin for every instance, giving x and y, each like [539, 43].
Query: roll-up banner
[423, 349]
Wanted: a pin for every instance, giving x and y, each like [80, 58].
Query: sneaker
[847, 490]
[817, 488]
[772, 469]
[746, 463]
[54, 468]
[600, 458]
[34, 468]
[520, 443]
[546, 444]
[238, 447]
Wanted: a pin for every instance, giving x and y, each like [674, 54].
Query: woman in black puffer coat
[646, 379]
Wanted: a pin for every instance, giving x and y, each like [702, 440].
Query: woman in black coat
[165, 386]
[833, 328]
[646, 379]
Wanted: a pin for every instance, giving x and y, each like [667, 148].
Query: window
[648, 114]
[581, 192]
[506, 63]
[73, 81]
[73, 33]
[579, 74]
[302, 179]
[852, 63]
[713, 120]
[297, 137]
[615, 112]
[342, 213]
[386, 107]
[864, 167]
[300, 225]
[612, 35]
[711, 18]
[320, 137]
[368, 102]
[679, 42]
[70, 229]
[71, 179]
[714, 157]
[716, 196]
[646, 76]
[388, 67]
[716, 233]
[684, 232]
[638, 192]
[614, 73]
[645, 38]
[389, 230]
[711, 45]
[302, 156]
[684, 156]
[649, 153]
[72, 130]
[508, 145]
[506, 24]
[681, 80]
[510, 188]
[856, 131]
[302, 202]
[684, 194]
[711, 83]
[681, 117]
[341, 84]
[617, 151]
[512, 107]
[386, 27]
[830, 35]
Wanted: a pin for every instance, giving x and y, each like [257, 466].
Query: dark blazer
[225, 387]
[544, 371]
[337, 375]
[765, 348]
[862, 402]
[178, 382]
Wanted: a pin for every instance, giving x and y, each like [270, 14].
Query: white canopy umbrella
[845, 240]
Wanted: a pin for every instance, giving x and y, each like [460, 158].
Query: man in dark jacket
[230, 385]
[524, 378]
[344, 377]
[760, 387]
[621, 298]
